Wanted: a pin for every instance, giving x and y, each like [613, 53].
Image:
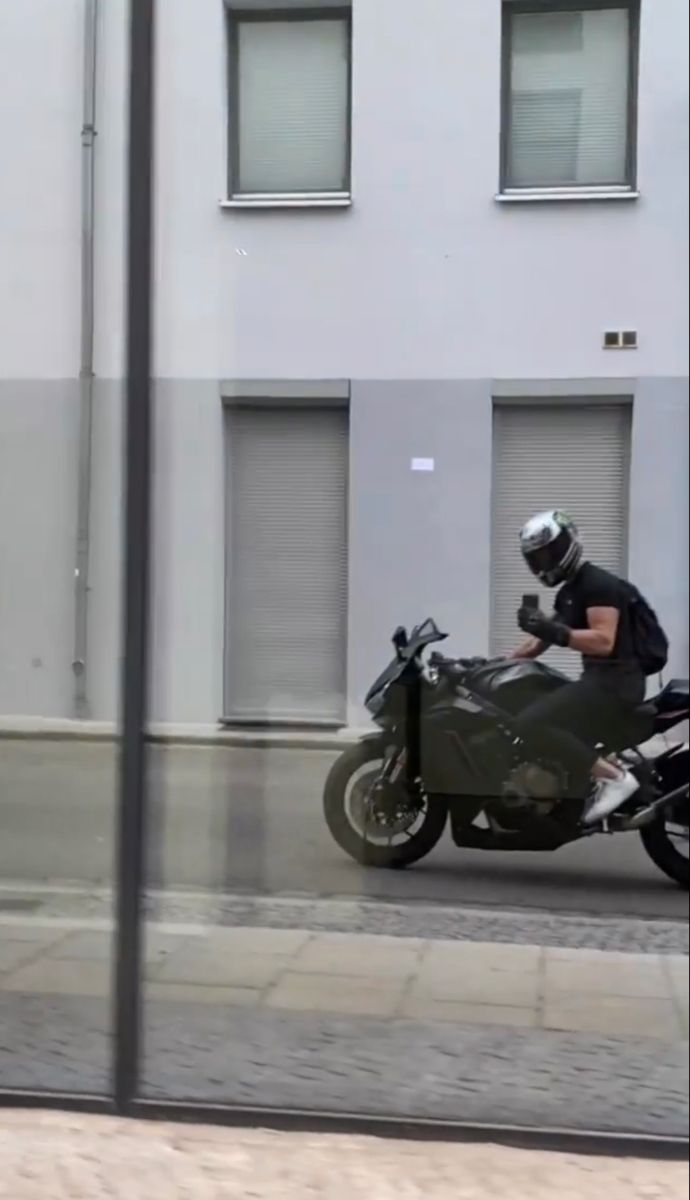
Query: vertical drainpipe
[86, 376]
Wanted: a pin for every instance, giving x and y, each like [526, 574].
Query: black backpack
[648, 638]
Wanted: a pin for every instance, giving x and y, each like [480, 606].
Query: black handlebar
[451, 665]
[461, 666]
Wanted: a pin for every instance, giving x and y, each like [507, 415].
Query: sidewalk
[484, 1033]
[51, 1156]
[298, 970]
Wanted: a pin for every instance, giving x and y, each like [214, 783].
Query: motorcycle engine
[530, 791]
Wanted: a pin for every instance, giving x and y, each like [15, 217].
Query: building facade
[418, 274]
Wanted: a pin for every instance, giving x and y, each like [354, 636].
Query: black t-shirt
[593, 587]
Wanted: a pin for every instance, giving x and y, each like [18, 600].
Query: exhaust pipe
[650, 814]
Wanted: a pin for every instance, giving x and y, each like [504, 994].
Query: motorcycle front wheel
[402, 837]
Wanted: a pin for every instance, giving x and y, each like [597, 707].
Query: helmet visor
[543, 560]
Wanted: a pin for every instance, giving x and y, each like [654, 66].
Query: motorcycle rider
[592, 617]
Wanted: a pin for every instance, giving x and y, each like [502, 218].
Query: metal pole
[86, 377]
[131, 824]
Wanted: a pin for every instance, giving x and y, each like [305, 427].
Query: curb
[55, 729]
[107, 733]
[584, 1142]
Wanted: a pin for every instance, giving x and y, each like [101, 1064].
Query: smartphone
[530, 601]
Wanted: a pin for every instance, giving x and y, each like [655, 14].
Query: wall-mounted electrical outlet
[620, 339]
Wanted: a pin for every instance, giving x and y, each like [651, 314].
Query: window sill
[290, 200]
[556, 195]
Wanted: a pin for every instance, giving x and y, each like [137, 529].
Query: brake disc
[386, 809]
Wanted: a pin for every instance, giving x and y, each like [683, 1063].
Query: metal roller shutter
[287, 562]
[572, 457]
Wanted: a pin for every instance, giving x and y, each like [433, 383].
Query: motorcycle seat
[674, 696]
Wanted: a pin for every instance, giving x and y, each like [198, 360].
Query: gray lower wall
[188, 568]
[419, 541]
[39, 438]
[658, 559]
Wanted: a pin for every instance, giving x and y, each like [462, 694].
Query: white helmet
[551, 547]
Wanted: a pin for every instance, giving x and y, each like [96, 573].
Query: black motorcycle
[446, 749]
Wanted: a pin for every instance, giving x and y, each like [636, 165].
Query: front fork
[407, 760]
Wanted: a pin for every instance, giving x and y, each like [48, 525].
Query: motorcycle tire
[664, 855]
[350, 840]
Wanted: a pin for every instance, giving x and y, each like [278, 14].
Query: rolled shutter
[571, 457]
[287, 561]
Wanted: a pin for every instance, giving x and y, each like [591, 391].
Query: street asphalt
[249, 821]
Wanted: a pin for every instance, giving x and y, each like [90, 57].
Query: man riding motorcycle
[592, 617]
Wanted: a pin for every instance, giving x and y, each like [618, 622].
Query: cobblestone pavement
[452, 922]
[414, 1069]
[54, 1156]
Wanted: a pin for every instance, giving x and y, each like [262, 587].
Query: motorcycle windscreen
[422, 635]
[392, 672]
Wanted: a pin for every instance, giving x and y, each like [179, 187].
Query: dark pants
[567, 724]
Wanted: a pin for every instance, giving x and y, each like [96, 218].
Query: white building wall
[426, 278]
[40, 116]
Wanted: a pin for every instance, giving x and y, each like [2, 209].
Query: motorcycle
[445, 750]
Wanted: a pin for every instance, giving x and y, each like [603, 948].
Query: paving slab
[203, 965]
[14, 954]
[337, 994]
[518, 986]
[620, 1016]
[460, 1012]
[60, 977]
[480, 986]
[638, 977]
[343, 954]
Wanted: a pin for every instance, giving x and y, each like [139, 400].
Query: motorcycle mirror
[400, 638]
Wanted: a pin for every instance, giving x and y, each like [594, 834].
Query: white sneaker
[611, 794]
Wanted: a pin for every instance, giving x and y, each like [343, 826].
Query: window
[570, 74]
[290, 103]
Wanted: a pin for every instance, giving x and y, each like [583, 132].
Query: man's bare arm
[599, 639]
[529, 647]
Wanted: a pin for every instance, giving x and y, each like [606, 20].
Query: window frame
[236, 197]
[625, 190]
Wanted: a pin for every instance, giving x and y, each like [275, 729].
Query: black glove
[548, 630]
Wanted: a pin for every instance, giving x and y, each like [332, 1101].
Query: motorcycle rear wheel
[663, 853]
[350, 839]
